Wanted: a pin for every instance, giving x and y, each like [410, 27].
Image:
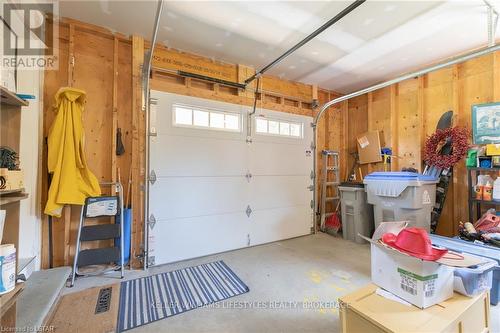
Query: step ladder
[95, 207]
[330, 180]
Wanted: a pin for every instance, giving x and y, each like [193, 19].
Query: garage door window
[278, 127]
[186, 116]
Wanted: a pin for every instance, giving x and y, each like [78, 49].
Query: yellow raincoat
[72, 181]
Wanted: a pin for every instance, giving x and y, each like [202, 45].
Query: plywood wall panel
[53, 80]
[380, 118]
[124, 108]
[409, 125]
[415, 107]
[475, 86]
[439, 97]
[93, 72]
[358, 124]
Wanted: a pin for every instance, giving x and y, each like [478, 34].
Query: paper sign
[363, 142]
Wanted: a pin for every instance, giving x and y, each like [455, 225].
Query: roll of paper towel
[7, 268]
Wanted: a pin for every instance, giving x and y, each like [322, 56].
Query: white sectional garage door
[215, 192]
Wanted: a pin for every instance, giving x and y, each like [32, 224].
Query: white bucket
[7, 268]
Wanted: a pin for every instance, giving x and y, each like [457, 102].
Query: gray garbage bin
[401, 196]
[357, 214]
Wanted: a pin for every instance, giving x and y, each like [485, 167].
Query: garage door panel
[197, 156]
[176, 197]
[279, 159]
[161, 116]
[279, 191]
[181, 239]
[269, 225]
[201, 194]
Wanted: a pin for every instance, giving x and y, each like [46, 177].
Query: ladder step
[99, 256]
[332, 168]
[329, 152]
[331, 198]
[100, 232]
[332, 183]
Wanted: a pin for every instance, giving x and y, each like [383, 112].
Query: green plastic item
[471, 160]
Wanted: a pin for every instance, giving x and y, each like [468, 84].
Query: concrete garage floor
[307, 274]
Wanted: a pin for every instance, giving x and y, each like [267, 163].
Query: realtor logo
[34, 38]
[28, 36]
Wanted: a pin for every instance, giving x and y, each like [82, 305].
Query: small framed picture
[486, 123]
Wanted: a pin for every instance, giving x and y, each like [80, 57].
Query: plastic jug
[7, 268]
[488, 191]
[496, 189]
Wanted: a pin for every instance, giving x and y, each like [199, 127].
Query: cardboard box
[14, 179]
[493, 149]
[419, 282]
[369, 147]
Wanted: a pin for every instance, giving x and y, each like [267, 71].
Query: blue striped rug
[156, 297]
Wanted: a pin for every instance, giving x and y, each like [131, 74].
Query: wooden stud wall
[408, 112]
[99, 63]
[108, 67]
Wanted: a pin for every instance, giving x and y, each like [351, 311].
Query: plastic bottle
[488, 191]
[478, 189]
[496, 189]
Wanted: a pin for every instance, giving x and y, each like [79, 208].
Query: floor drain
[103, 300]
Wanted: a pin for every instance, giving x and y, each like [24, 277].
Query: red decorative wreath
[459, 138]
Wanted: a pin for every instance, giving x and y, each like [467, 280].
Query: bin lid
[400, 175]
[352, 184]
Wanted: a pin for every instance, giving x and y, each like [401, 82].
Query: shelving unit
[475, 205]
[10, 136]
[9, 98]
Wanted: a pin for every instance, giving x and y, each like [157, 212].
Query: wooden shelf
[6, 300]
[4, 192]
[491, 202]
[14, 197]
[484, 169]
[9, 98]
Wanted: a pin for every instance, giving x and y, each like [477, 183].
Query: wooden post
[421, 120]
[456, 112]
[137, 241]
[370, 111]
[115, 109]
[344, 109]
[394, 126]
[71, 55]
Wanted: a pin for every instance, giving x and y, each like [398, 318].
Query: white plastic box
[401, 196]
[419, 282]
[471, 281]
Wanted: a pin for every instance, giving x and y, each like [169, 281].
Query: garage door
[213, 191]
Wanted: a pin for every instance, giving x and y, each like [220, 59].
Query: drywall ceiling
[377, 41]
